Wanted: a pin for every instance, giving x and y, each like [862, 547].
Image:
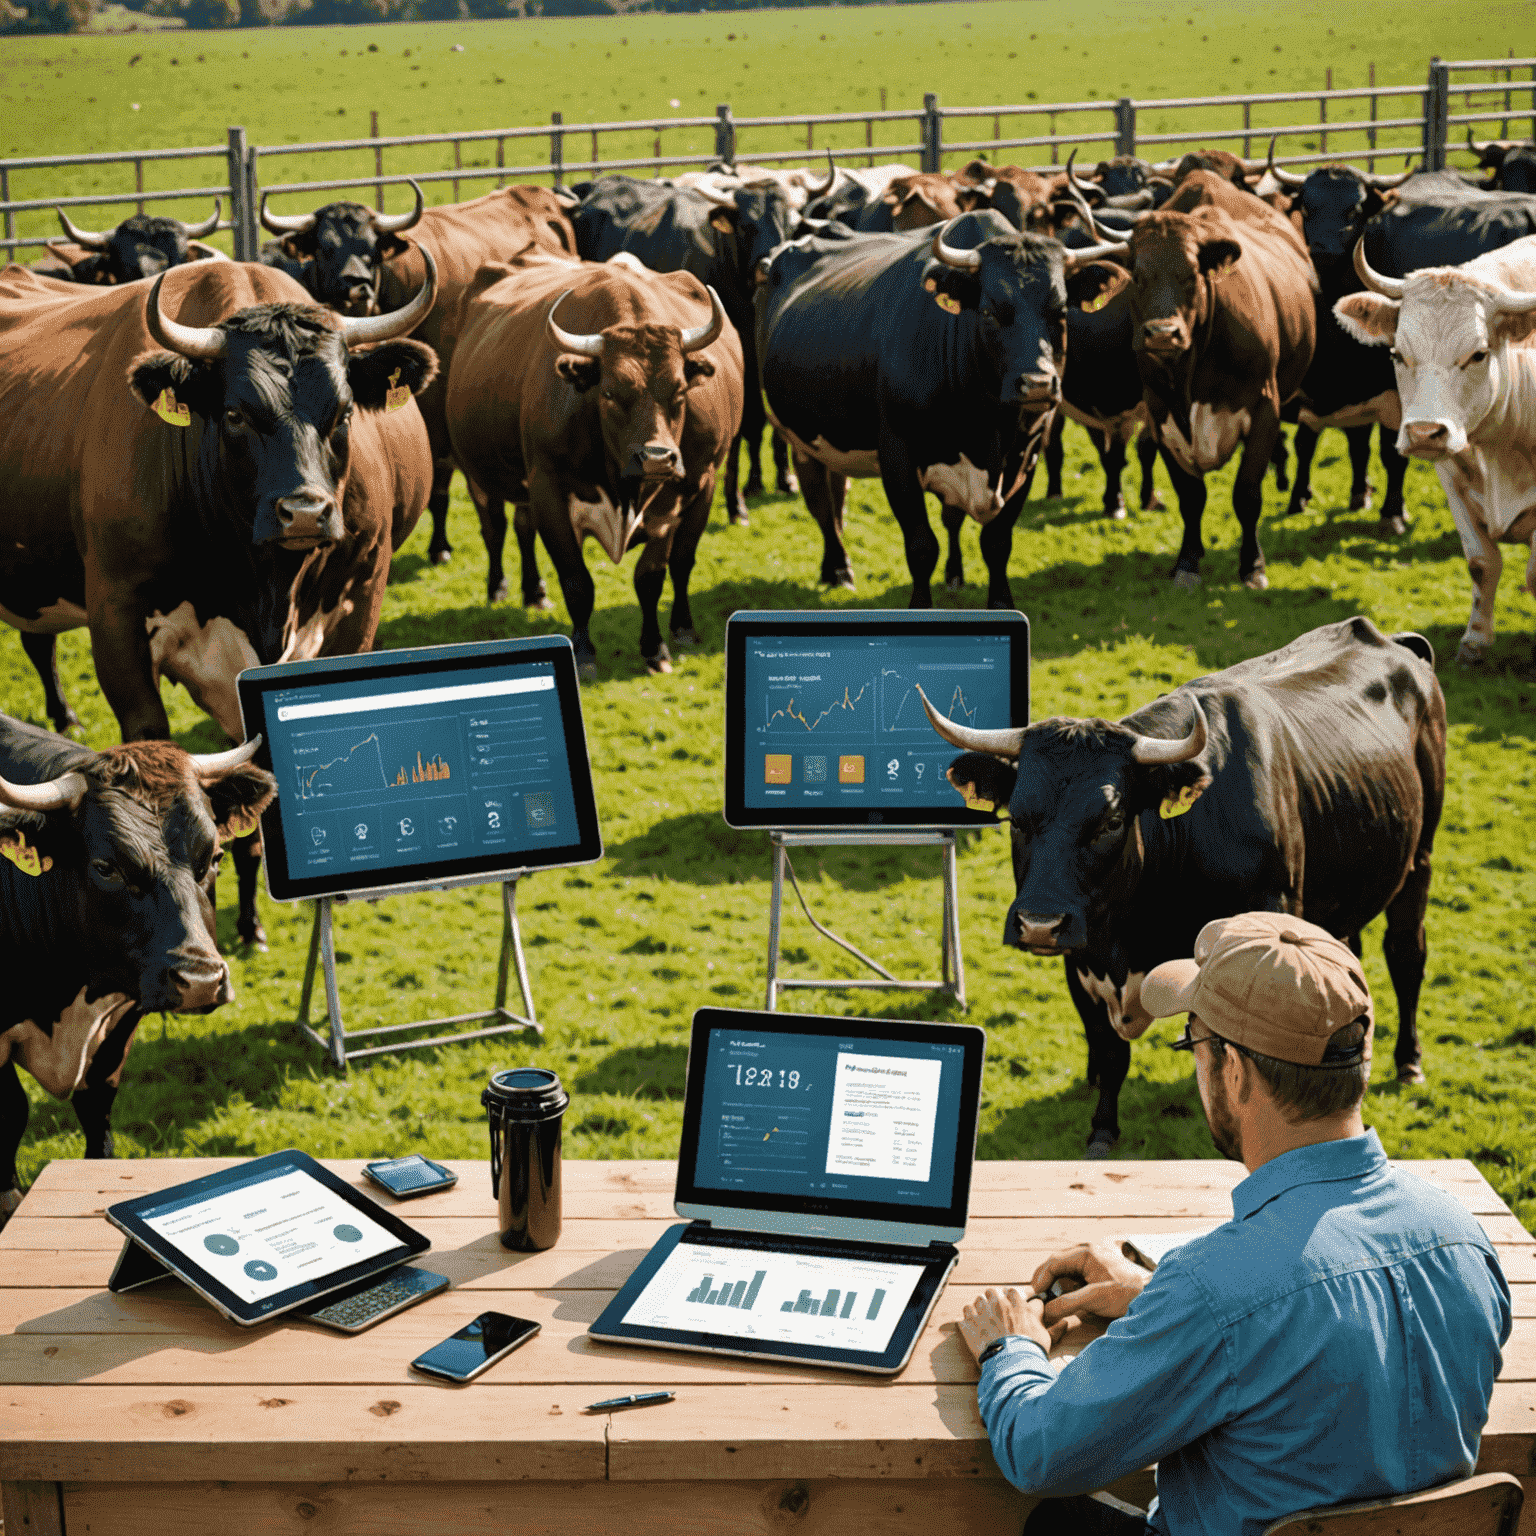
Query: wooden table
[149, 1415]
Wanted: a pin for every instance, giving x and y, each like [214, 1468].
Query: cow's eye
[1395, 355]
[1480, 356]
[107, 871]
[1114, 822]
[608, 394]
[233, 418]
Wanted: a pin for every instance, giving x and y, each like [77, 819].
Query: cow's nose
[657, 459]
[1425, 434]
[1039, 388]
[200, 983]
[1041, 933]
[309, 517]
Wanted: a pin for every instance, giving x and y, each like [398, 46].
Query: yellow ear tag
[948, 303]
[1176, 805]
[1091, 306]
[397, 395]
[242, 823]
[28, 860]
[170, 412]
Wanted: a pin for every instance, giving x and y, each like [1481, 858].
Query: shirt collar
[1352, 1158]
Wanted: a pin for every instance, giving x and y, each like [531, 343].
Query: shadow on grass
[639, 1072]
[447, 626]
[1156, 1120]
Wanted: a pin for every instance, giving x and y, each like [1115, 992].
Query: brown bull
[602, 396]
[1023, 197]
[242, 509]
[1223, 328]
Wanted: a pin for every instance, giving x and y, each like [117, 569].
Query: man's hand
[995, 1315]
[1101, 1282]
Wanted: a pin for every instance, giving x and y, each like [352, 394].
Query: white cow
[1463, 342]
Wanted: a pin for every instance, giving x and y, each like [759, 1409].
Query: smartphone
[476, 1347]
[406, 1177]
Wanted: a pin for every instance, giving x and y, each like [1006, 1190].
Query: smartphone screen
[475, 1346]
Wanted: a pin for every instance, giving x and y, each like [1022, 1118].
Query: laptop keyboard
[391, 1294]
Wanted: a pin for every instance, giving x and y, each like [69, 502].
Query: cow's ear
[696, 368]
[1216, 255]
[724, 219]
[1369, 317]
[1170, 789]
[952, 290]
[300, 245]
[238, 800]
[29, 840]
[374, 375]
[980, 777]
[390, 246]
[1511, 328]
[580, 373]
[1092, 286]
[193, 384]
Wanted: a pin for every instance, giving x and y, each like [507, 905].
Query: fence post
[1437, 107]
[932, 135]
[725, 134]
[1125, 127]
[1247, 124]
[1322, 111]
[238, 221]
[1370, 160]
[557, 148]
[138, 184]
[378, 162]
[252, 204]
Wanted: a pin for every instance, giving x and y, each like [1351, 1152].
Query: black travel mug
[526, 1106]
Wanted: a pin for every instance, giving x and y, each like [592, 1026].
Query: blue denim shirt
[1338, 1339]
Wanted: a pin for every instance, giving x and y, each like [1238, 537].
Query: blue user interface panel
[394, 774]
[834, 722]
[824, 1118]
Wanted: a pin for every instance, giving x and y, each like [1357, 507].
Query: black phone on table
[406, 1177]
[476, 1346]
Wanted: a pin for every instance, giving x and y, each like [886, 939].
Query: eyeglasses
[1187, 1042]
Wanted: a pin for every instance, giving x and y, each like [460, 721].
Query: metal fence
[1364, 123]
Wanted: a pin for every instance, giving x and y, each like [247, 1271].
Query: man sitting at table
[1337, 1340]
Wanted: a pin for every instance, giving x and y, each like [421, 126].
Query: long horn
[1390, 287]
[1105, 236]
[714, 195]
[208, 225]
[210, 767]
[1152, 749]
[961, 261]
[285, 223]
[1510, 301]
[568, 341]
[999, 743]
[357, 332]
[198, 341]
[701, 335]
[813, 192]
[1288, 179]
[1386, 183]
[1080, 256]
[91, 239]
[60, 794]
[1479, 149]
[393, 223]
[1074, 180]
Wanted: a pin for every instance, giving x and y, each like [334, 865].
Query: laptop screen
[861, 1118]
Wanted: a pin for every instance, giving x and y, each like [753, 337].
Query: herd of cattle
[211, 464]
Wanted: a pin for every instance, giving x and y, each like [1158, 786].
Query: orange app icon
[776, 767]
[850, 770]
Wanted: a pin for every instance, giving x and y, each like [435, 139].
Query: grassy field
[676, 913]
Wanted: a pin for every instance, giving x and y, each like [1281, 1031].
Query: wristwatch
[993, 1348]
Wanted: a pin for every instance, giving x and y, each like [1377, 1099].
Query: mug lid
[525, 1089]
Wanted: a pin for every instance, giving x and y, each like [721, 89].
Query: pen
[635, 1400]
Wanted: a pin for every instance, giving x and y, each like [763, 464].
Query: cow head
[347, 244]
[1073, 790]
[642, 375]
[1332, 205]
[1512, 161]
[124, 847]
[1175, 259]
[920, 200]
[274, 387]
[1450, 334]
[1123, 176]
[1019, 286]
[750, 222]
[143, 246]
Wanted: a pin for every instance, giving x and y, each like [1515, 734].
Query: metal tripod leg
[775, 923]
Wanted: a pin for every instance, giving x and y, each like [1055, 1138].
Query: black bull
[1319, 771]
[106, 889]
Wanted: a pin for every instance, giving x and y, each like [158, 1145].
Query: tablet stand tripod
[953, 967]
[322, 948]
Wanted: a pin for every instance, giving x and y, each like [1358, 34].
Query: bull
[933, 363]
[1022, 197]
[259, 447]
[1468, 383]
[615, 431]
[106, 909]
[1511, 162]
[1309, 781]
[144, 245]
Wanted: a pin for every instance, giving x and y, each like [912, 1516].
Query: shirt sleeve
[1155, 1382]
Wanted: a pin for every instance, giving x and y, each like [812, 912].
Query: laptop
[825, 1174]
[279, 1234]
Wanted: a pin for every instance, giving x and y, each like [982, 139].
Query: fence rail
[1115, 124]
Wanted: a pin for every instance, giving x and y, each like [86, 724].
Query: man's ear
[696, 368]
[29, 840]
[194, 384]
[238, 800]
[978, 776]
[580, 373]
[1370, 318]
[724, 219]
[1092, 286]
[1215, 255]
[372, 374]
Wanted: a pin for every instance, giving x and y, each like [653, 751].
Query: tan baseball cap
[1271, 982]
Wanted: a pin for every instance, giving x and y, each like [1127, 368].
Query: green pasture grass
[676, 913]
[307, 84]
